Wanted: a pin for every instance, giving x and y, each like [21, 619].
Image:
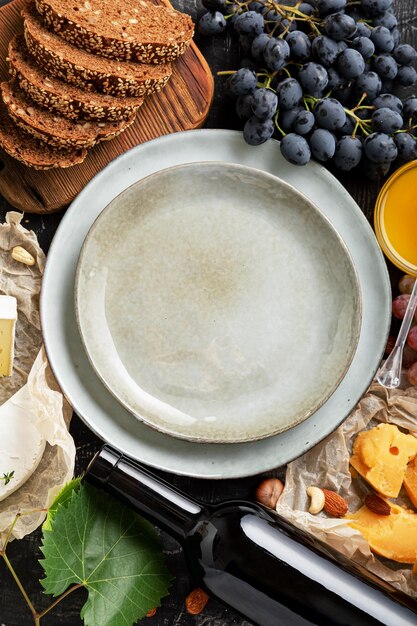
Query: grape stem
[277, 125]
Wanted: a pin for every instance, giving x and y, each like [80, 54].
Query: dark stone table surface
[221, 53]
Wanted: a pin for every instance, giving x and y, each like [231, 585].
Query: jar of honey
[395, 218]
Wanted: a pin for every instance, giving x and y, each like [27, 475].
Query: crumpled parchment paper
[52, 412]
[327, 466]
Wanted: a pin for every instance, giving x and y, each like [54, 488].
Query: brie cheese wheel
[8, 317]
[21, 443]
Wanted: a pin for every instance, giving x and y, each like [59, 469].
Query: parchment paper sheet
[327, 466]
[53, 413]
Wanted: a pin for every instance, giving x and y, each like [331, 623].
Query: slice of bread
[32, 152]
[67, 100]
[52, 128]
[131, 30]
[86, 70]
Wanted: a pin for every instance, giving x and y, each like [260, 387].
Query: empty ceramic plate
[217, 303]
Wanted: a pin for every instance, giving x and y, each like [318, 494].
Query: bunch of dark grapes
[320, 76]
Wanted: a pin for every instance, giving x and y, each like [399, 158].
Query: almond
[377, 505]
[196, 601]
[269, 491]
[334, 505]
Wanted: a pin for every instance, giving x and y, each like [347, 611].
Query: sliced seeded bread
[53, 128]
[66, 100]
[32, 152]
[86, 70]
[129, 30]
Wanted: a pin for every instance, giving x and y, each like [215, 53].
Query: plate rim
[321, 216]
[223, 136]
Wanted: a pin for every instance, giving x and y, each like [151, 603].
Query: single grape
[412, 338]
[244, 106]
[256, 6]
[325, 50]
[329, 114]
[412, 374]
[272, 16]
[289, 93]
[375, 7]
[212, 23]
[348, 127]
[276, 54]
[374, 171]
[396, 35]
[304, 122]
[341, 45]
[322, 144]
[258, 46]
[406, 75]
[386, 121]
[348, 153]
[368, 83]
[295, 149]
[406, 283]
[313, 78]
[264, 103]
[399, 305]
[362, 29]
[242, 82]
[350, 63]
[380, 148]
[405, 54]
[389, 101]
[257, 131]
[385, 66]
[410, 108]
[406, 146]
[339, 26]
[335, 80]
[249, 23]
[386, 19]
[382, 39]
[214, 5]
[287, 118]
[364, 45]
[306, 8]
[324, 7]
[300, 45]
[409, 357]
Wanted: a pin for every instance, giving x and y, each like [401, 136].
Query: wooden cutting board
[182, 105]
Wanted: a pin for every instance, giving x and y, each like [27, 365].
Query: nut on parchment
[334, 505]
[269, 491]
[22, 256]
[317, 499]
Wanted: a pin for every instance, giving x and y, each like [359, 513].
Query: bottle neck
[156, 500]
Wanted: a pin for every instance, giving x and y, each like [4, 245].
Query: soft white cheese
[21, 443]
[8, 317]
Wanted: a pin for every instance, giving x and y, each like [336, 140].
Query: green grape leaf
[97, 542]
[62, 498]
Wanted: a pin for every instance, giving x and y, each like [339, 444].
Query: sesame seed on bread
[66, 99]
[86, 70]
[131, 30]
[52, 128]
[32, 152]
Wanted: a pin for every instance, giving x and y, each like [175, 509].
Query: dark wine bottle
[254, 560]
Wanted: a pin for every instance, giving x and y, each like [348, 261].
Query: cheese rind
[381, 455]
[8, 317]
